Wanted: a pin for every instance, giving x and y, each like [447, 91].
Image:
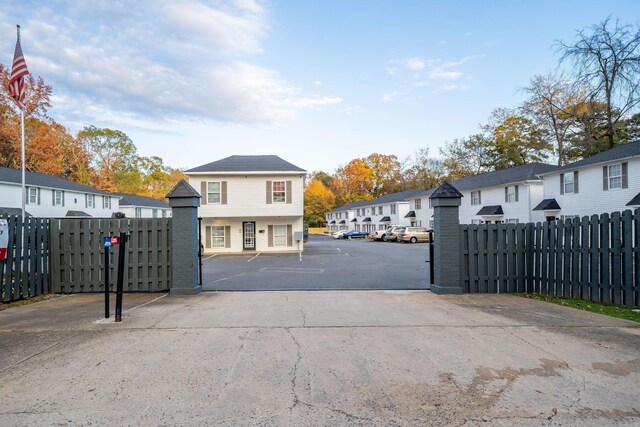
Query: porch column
[184, 201]
[446, 202]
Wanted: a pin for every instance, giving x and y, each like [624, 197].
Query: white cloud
[450, 87]
[148, 61]
[317, 83]
[388, 96]
[433, 73]
[445, 75]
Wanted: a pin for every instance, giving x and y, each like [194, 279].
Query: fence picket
[627, 258]
[597, 291]
[616, 258]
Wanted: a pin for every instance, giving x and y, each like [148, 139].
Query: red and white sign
[4, 238]
[115, 240]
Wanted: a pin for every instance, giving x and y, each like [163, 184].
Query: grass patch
[613, 310]
[20, 303]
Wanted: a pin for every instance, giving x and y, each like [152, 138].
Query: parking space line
[210, 256]
[339, 250]
[254, 257]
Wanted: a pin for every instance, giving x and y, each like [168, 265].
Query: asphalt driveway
[325, 264]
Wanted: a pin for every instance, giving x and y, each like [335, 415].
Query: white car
[381, 235]
[338, 234]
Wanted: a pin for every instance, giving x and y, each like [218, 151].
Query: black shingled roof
[248, 164]
[631, 149]
[133, 200]
[528, 172]
[182, 190]
[491, 210]
[547, 205]
[389, 198]
[410, 214]
[35, 179]
[635, 201]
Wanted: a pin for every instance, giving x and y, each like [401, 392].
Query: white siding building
[372, 215]
[250, 203]
[52, 197]
[604, 183]
[341, 218]
[143, 207]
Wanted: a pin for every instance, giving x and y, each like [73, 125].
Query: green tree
[113, 159]
[466, 156]
[514, 141]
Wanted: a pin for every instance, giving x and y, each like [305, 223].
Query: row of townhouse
[606, 182]
[372, 215]
[52, 197]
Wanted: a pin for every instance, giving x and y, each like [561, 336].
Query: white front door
[249, 235]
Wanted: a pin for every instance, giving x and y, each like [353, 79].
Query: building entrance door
[249, 238]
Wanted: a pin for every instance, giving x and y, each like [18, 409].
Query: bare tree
[552, 104]
[607, 61]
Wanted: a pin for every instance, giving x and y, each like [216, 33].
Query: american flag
[18, 71]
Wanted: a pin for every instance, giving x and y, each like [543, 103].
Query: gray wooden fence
[77, 254]
[596, 258]
[25, 272]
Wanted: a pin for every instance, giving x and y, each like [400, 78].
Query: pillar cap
[182, 190]
[446, 191]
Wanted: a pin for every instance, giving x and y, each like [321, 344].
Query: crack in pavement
[294, 378]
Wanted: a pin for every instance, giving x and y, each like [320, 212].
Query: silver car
[414, 235]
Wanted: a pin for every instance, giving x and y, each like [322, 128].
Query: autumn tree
[353, 182]
[318, 199]
[606, 60]
[386, 174]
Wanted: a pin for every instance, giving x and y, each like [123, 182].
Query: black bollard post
[121, 267]
[106, 278]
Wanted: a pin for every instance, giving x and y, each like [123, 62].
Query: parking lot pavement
[327, 358]
[325, 264]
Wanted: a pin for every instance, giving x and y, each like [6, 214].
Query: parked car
[414, 234]
[392, 235]
[381, 235]
[338, 234]
[355, 235]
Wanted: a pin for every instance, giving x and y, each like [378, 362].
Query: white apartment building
[250, 203]
[52, 197]
[372, 215]
[604, 183]
[143, 207]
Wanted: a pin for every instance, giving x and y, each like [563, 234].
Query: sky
[317, 83]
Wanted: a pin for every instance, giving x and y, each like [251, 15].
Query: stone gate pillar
[184, 201]
[446, 229]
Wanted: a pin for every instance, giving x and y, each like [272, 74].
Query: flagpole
[24, 189]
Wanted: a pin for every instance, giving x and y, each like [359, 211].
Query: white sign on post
[4, 238]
